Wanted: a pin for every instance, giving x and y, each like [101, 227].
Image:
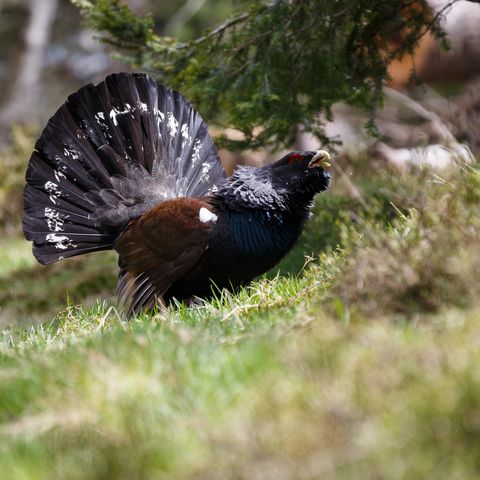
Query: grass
[15, 254]
[361, 363]
[32, 293]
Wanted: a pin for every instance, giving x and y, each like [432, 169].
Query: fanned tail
[107, 156]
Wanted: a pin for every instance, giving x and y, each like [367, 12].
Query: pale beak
[321, 159]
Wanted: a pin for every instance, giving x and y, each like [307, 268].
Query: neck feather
[251, 188]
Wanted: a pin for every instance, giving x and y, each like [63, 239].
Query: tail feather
[36, 201]
[55, 182]
[107, 156]
[70, 147]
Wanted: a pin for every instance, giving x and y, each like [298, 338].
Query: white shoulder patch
[205, 215]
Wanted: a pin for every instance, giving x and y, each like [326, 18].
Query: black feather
[113, 152]
[107, 156]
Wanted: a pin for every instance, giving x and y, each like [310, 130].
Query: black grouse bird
[129, 165]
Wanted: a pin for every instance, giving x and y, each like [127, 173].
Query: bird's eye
[294, 158]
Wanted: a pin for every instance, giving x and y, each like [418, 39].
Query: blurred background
[46, 52]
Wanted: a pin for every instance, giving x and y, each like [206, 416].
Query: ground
[357, 361]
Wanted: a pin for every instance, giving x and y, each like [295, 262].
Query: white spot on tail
[205, 215]
[100, 119]
[197, 146]
[71, 153]
[114, 113]
[206, 167]
[185, 135]
[160, 117]
[53, 191]
[58, 174]
[172, 124]
[60, 241]
[113, 116]
[54, 220]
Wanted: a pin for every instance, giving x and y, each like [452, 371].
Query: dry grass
[428, 258]
[363, 365]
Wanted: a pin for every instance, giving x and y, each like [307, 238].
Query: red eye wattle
[294, 158]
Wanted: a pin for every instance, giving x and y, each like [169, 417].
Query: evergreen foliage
[273, 66]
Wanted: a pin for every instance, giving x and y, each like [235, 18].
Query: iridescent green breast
[247, 243]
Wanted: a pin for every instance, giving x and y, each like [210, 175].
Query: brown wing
[158, 249]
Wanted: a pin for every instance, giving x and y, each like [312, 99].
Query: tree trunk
[24, 91]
